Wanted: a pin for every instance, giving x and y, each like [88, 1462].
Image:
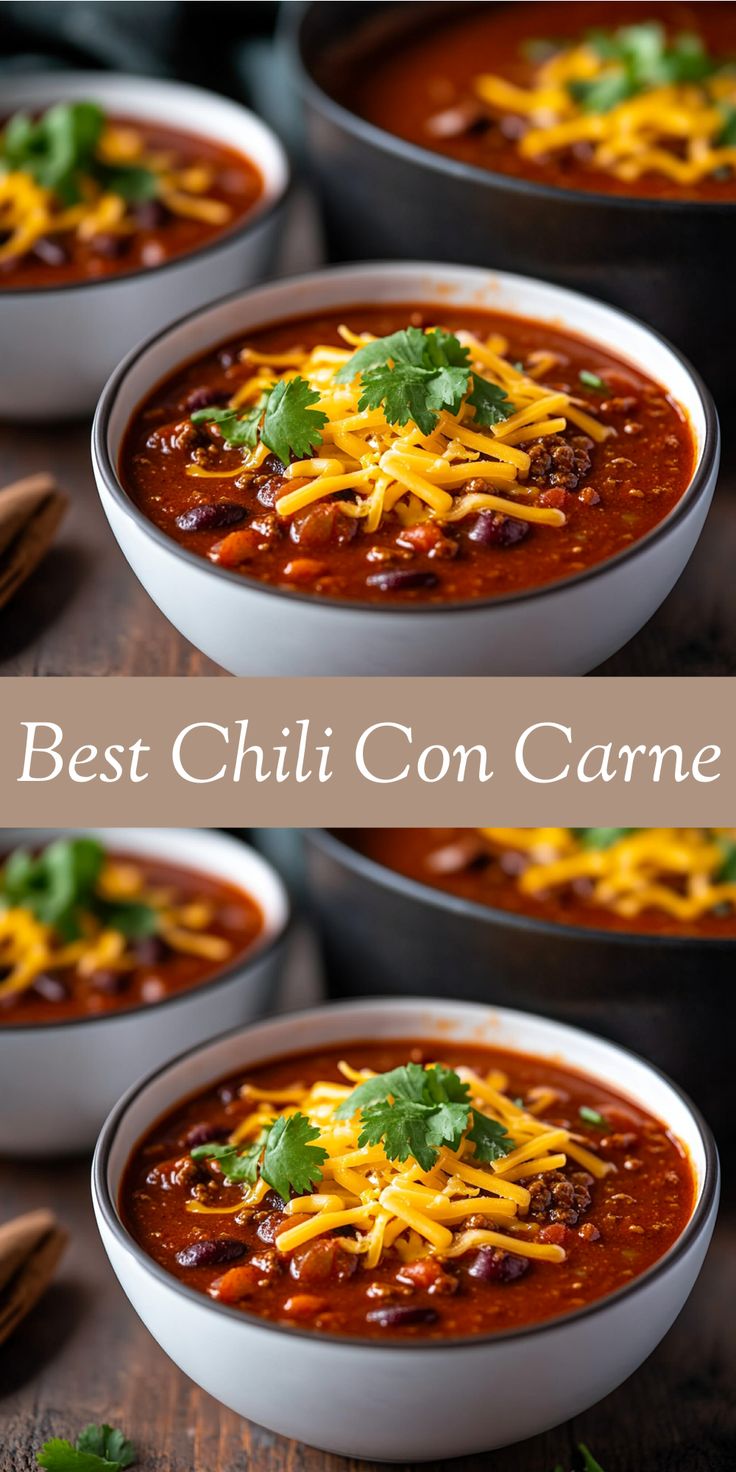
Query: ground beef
[558, 462]
[555, 1198]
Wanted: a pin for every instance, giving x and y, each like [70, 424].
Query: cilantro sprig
[97, 1449]
[415, 375]
[284, 1154]
[284, 418]
[59, 887]
[601, 837]
[588, 1460]
[639, 57]
[59, 151]
[415, 1111]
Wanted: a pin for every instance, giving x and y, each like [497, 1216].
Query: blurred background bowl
[664, 260]
[670, 998]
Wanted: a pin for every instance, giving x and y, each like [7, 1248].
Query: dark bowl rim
[328, 841]
[412, 153]
[697, 487]
[236, 970]
[102, 1195]
[250, 223]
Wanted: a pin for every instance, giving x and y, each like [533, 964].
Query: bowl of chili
[631, 933]
[119, 947]
[593, 145]
[520, 1272]
[124, 201]
[406, 469]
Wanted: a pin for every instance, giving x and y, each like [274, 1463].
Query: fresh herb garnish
[727, 872]
[284, 1154]
[415, 375]
[592, 1116]
[416, 1111]
[284, 418]
[59, 887]
[589, 1461]
[727, 137]
[639, 57]
[97, 1449]
[601, 837]
[59, 151]
[592, 380]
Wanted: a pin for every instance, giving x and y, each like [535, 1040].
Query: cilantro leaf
[237, 1165]
[238, 429]
[727, 137]
[291, 426]
[136, 921]
[638, 57]
[405, 1128]
[57, 884]
[133, 183]
[98, 1449]
[490, 402]
[444, 1085]
[405, 347]
[403, 392]
[56, 149]
[406, 1082]
[601, 837]
[589, 1461]
[490, 1138]
[107, 1441]
[592, 380]
[592, 1116]
[291, 1162]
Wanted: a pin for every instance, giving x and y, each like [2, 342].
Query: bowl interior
[345, 1023]
[173, 104]
[215, 854]
[444, 286]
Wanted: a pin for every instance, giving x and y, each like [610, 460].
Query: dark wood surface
[84, 613]
[83, 1355]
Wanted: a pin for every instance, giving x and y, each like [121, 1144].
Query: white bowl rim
[252, 220]
[236, 970]
[108, 1207]
[693, 493]
[414, 153]
[329, 842]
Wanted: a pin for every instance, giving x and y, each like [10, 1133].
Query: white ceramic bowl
[405, 1402]
[66, 340]
[253, 629]
[59, 1079]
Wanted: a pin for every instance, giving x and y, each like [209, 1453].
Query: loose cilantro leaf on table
[97, 1449]
[59, 150]
[59, 886]
[416, 1111]
[589, 1461]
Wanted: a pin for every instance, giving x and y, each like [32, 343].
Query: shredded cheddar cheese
[29, 947]
[676, 130]
[457, 470]
[675, 870]
[30, 211]
[396, 1204]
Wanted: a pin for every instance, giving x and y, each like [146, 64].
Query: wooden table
[84, 612]
[83, 1355]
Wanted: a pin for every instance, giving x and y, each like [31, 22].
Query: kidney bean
[150, 950]
[400, 1315]
[491, 529]
[209, 1251]
[210, 515]
[272, 1201]
[491, 1265]
[269, 1226]
[401, 579]
[50, 251]
[151, 214]
[204, 397]
[203, 1133]
[271, 466]
[111, 982]
[112, 247]
[50, 986]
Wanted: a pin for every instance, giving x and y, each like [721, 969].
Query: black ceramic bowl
[667, 997]
[664, 260]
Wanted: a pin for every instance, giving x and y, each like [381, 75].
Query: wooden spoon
[30, 513]
[30, 1248]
